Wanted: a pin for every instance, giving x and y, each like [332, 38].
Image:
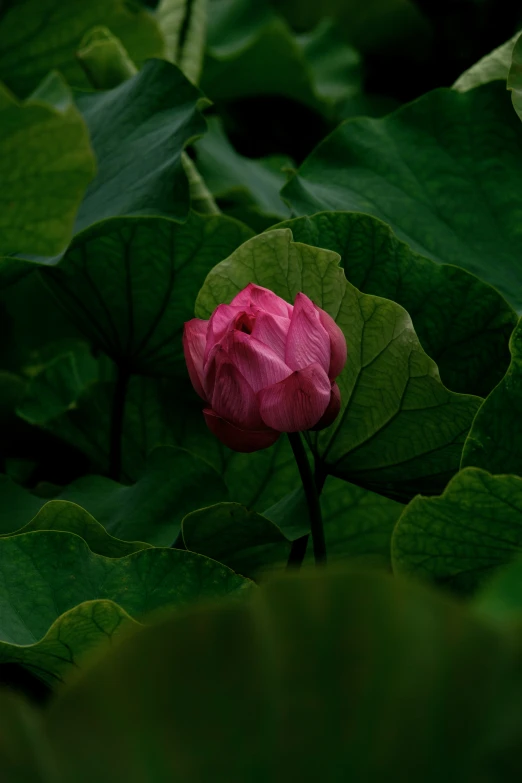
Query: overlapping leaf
[139, 130]
[244, 540]
[358, 525]
[400, 430]
[495, 440]
[461, 538]
[40, 35]
[46, 164]
[493, 67]
[51, 616]
[443, 172]
[462, 323]
[68, 517]
[252, 51]
[173, 483]
[130, 284]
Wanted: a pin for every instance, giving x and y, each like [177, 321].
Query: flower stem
[312, 499]
[118, 413]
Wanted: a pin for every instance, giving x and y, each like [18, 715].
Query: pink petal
[258, 363]
[298, 402]
[338, 351]
[233, 398]
[332, 411]
[257, 296]
[194, 339]
[237, 439]
[272, 331]
[307, 341]
[221, 321]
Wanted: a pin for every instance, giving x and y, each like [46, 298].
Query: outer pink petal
[237, 439]
[307, 341]
[233, 398]
[194, 339]
[257, 296]
[298, 402]
[338, 350]
[332, 411]
[221, 321]
[258, 363]
[272, 331]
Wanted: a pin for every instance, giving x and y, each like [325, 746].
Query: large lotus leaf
[346, 677]
[493, 67]
[139, 130]
[400, 430]
[36, 594]
[358, 524]
[261, 479]
[75, 634]
[251, 50]
[46, 164]
[461, 538]
[461, 322]
[40, 35]
[443, 172]
[130, 284]
[495, 440]
[69, 518]
[108, 64]
[241, 185]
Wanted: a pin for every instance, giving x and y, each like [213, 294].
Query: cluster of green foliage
[148, 628]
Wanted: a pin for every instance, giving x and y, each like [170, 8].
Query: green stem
[118, 415]
[312, 498]
[201, 198]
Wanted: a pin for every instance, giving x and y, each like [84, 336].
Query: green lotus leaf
[400, 430]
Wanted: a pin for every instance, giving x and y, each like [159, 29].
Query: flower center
[245, 323]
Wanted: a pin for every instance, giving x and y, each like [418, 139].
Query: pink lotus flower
[264, 367]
